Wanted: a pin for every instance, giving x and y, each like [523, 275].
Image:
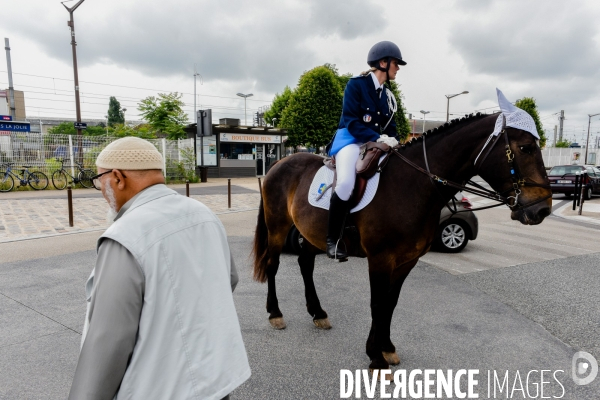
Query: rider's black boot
[338, 209]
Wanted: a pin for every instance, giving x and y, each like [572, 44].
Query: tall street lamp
[245, 96]
[449, 96]
[124, 109]
[588, 136]
[106, 116]
[424, 112]
[71, 24]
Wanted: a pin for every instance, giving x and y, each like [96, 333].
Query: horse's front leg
[385, 281]
[398, 277]
[306, 260]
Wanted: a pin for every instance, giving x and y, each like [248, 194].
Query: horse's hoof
[277, 323]
[391, 358]
[322, 323]
[388, 375]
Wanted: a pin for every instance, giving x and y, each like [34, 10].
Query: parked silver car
[453, 234]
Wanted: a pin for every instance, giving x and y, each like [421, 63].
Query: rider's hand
[390, 141]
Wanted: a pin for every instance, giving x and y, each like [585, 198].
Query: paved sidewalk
[590, 212]
[29, 215]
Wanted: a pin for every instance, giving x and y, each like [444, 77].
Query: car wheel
[568, 195]
[587, 194]
[452, 236]
[295, 240]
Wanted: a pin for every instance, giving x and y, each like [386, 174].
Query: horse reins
[517, 180]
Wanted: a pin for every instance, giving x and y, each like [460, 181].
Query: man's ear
[119, 179]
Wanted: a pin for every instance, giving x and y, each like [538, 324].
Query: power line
[134, 87]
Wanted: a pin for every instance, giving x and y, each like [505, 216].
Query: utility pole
[555, 128]
[561, 119]
[71, 24]
[587, 142]
[11, 89]
[196, 116]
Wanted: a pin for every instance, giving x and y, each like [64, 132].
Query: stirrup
[342, 258]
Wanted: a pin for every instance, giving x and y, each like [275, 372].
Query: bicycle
[37, 180]
[60, 179]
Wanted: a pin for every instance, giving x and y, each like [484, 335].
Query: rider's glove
[390, 141]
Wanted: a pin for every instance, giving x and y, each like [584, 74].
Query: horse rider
[367, 116]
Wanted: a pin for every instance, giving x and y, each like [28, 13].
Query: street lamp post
[245, 96]
[124, 109]
[106, 116]
[71, 24]
[588, 136]
[424, 112]
[449, 96]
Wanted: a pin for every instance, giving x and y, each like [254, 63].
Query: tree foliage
[562, 143]
[165, 114]
[313, 111]
[402, 125]
[528, 105]
[115, 114]
[280, 102]
[67, 128]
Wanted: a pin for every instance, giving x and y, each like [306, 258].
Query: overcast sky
[549, 50]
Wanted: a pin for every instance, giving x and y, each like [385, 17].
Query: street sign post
[80, 125]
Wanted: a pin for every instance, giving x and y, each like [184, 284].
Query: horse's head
[519, 175]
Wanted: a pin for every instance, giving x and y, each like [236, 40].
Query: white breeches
[345, 165]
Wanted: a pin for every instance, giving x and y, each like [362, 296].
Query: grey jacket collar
[150, 193]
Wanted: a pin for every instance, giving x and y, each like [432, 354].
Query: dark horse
[398, 226]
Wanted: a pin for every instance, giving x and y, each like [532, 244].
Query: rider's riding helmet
[384, 51]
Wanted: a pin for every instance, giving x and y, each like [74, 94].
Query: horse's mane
[448, 127]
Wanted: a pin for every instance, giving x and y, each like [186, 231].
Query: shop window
[236, 151]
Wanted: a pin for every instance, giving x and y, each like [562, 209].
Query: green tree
[67, 128]
[562, 143]
[115, 113]
[165, 114]
[313, 111]
[280, 102]
[528, 105]
[402, 125]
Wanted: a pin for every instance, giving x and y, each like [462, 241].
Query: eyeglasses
[96, 179]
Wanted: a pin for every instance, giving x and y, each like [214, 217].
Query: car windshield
[565, 169]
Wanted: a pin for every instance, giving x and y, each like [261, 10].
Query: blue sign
[15, 126]
[5, 118]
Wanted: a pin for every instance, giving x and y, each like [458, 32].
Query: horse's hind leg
[306, 260]
[275, 316]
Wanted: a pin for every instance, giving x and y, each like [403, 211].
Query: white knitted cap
[130, 153]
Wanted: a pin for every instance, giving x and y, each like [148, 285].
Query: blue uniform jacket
[364, 114]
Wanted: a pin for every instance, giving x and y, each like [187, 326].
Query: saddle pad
[324, 177]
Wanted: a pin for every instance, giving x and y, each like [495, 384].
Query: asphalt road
[531, 314]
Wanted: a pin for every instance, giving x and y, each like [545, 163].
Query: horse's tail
[261, 246]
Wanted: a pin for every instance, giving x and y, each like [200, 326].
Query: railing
[41, 152]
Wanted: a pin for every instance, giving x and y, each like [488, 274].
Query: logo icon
[367, 118]
[585, 368]
[322, 188]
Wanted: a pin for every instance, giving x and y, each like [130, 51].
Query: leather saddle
[367, 165]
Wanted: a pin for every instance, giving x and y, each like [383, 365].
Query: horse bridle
[517, 180]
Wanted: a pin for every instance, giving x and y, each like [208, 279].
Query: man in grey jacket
[160, 321]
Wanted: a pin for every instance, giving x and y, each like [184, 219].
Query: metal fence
[565, 156]
[42, 152]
